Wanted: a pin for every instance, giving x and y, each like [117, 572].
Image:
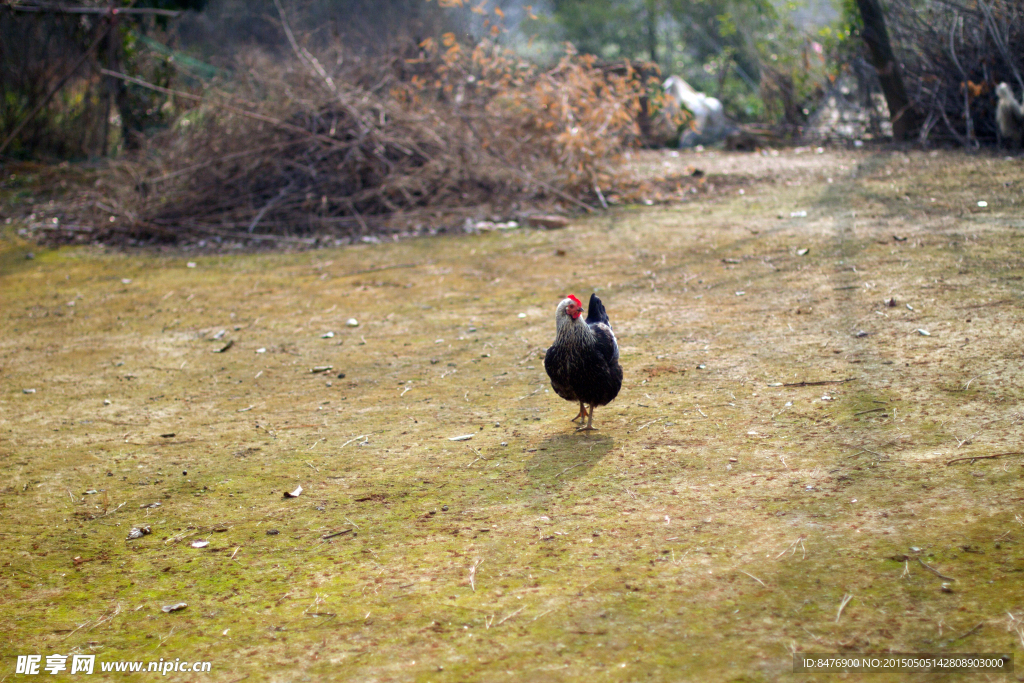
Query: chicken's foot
[590, 423]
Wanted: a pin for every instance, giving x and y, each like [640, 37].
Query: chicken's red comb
[578, 302]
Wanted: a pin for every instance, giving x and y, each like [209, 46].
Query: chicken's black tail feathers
[596, 312]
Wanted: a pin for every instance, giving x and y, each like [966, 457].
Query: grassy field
[813, 346]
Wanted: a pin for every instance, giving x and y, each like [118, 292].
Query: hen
[1009, 116]
[583, 363]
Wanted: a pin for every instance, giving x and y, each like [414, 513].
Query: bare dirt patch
[782, 441]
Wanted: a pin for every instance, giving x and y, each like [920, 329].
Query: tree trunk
[652, 29]
[905, 119]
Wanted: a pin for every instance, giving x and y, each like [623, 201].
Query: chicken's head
[574, 307]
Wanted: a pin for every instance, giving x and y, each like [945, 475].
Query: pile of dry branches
[295, 150]
[954, 53]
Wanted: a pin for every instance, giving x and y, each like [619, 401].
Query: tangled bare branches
[296, 149]
[955, 53]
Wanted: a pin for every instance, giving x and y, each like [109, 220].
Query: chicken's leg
[590, 422]
[580, 415]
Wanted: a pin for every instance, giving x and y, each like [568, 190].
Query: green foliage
[90, 115]
[751, 54]
[36, 51]
[851, 15]
[726, 25]
[178, 5]
[712, 43]
[797, 68]
[608, 28]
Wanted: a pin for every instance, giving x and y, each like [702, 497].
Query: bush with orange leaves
[568, 124]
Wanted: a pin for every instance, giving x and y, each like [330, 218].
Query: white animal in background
[1009, 116]
[709, 125]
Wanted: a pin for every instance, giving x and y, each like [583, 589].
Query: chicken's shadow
[567, 457]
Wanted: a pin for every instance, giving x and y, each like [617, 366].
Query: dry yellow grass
[712, 527]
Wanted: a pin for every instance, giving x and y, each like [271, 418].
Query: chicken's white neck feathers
[571, 330]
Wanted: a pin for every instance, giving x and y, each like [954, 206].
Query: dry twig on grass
[336, 533]
[972, 458]
[791, 548]
[967, 633]
[842, 605]
[820, 383]
[935, 571]
[472, 574]
[753, 577]
[511, 615]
